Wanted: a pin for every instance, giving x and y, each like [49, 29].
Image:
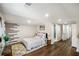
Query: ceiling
[36, 12]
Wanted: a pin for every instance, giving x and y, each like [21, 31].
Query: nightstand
[48, 42]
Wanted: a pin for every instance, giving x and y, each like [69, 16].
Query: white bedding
[33, 42]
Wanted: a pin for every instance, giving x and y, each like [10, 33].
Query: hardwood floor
[61, 48]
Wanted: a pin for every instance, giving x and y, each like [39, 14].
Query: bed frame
[36, 48]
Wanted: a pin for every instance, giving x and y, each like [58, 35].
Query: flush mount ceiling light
[28, 21]
[59, 20]
[46, 15]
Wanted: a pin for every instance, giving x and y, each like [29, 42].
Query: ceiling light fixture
[46, 15]
[59, 20]
[28, 21]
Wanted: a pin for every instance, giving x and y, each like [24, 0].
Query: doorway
[62, 32]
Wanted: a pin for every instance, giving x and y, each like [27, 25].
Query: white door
[58, 32]
[74, 35]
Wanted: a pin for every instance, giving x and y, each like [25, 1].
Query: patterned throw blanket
[18, 49]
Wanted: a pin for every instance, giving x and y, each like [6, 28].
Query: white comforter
[33, 42]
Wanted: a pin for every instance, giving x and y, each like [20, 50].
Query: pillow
[42, 35]
[39, 34]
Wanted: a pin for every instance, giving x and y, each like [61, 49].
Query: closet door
[69, 31]
[66, 34]
[58, 32]
[74, 35]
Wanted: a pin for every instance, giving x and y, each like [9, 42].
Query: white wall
[48, 29]
[22, 31]
[26, 31]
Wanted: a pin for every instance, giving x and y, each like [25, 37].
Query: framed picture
[42, 27]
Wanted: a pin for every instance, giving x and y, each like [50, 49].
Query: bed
[31, 44]
[35, 42]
